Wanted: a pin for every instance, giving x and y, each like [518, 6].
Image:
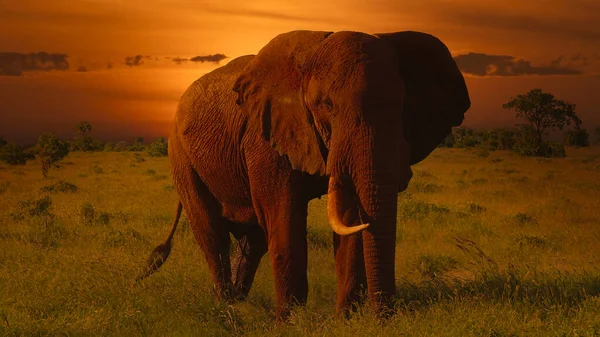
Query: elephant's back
[209, 102]
[209, 126]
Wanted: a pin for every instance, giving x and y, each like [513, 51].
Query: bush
[104, 218]
[120, 146]
[577, 138]
[32, 208]
[87, 214]
[159, 148]
[466, 137]
[138, 158]
[498, 139]
[138, 144]
[109, 147]
[14, 154]
[60, 186]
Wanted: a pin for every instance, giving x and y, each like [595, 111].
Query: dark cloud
[480, 64]
[579, 29]
[14, 64]
[266, 15]
[216, 58]
[134, 61]
[179, 60]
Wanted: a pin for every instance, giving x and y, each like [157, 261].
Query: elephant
[343, 114]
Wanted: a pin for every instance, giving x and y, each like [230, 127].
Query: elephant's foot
[349, 300]
[383, 305]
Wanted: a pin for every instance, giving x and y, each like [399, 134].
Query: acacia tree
[83, 141]
[50, 150]
[543, 112]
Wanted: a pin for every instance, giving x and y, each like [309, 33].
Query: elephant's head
[333, 104]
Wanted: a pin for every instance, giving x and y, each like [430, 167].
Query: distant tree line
[519, 140]
[49, 150]
[543, 113]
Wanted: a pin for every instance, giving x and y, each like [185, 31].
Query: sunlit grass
[495, 246]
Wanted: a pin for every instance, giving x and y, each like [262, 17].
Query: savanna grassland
[496, 245]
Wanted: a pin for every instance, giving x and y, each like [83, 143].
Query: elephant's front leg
[252, 246]
[350, 271]
[281, 207]
[289, 256]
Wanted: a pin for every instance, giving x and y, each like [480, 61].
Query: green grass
[496, 245]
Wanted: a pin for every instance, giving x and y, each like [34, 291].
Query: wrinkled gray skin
[313, 113]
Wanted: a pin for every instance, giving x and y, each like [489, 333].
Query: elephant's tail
[161, 252]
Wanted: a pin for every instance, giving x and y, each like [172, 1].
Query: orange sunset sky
[123, 64]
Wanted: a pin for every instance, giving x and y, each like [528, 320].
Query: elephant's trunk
[376, 181]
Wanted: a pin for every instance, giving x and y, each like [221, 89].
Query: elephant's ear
[270, 93]
[436, 93]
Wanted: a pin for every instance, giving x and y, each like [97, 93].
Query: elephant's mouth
[334, 210]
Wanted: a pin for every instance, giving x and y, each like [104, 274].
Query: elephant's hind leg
[252, 247]
[210, 229]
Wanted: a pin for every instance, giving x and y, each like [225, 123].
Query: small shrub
[150, 172]
[531, 241]
[159, 148]
[97, 169]
[524, 218]
[161, 177]
[434, 266]
[427, 187]
[32, 208]
[423, 173]
[461, 183]
[114, 238]
[476, 208]
[496, 160]
[104, 218]
[60, 186]
[169, 188]
[87, 214]
[479, 181]
[138, 158]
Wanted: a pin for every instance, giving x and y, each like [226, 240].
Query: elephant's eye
[328, 103]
